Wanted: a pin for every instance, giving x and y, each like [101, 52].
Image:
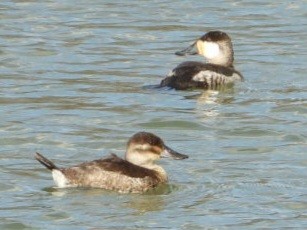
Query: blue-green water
[74, 79]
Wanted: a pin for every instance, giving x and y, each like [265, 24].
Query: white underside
[171, 73]
[213, 78]
[59, 179]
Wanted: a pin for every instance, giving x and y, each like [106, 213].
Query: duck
[136, 173]
[216, 47]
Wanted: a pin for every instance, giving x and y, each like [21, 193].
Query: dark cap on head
[157, 145]
[146, 138]
[214, 36]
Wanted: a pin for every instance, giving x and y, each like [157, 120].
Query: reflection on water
[152, 200]
[77, 80]
[144, 204]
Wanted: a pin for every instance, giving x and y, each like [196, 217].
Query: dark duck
[219, 71]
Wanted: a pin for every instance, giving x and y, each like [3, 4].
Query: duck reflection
[153, 200]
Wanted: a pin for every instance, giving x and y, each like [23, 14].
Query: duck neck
[146, 161]
[222, 61]
[160, 171]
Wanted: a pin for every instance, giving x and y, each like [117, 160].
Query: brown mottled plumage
[137, 173]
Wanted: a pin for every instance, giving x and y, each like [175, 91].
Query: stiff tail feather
[44, 161]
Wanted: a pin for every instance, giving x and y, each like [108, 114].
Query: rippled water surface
[76, 82]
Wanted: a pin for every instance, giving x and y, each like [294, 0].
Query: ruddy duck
[216, 47]
[136, 173]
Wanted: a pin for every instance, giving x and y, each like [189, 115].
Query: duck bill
[168, 152]
[191, 50]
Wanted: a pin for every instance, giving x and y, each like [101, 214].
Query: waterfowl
[216, 47]
[136, 173]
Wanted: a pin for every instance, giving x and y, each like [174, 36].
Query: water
[75, 85]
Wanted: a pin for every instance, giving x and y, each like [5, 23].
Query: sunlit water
[76, 81]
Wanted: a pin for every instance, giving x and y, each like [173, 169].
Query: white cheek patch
[211, 50]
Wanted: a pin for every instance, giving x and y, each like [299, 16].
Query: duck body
[112, 173]
[189, 75]
[137, 173]
[216, 47]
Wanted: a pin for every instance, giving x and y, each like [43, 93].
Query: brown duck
[136, 173]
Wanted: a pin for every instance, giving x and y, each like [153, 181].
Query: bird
[136, 173]
[216, 47]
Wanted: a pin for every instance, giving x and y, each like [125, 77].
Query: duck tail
[44, 161]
